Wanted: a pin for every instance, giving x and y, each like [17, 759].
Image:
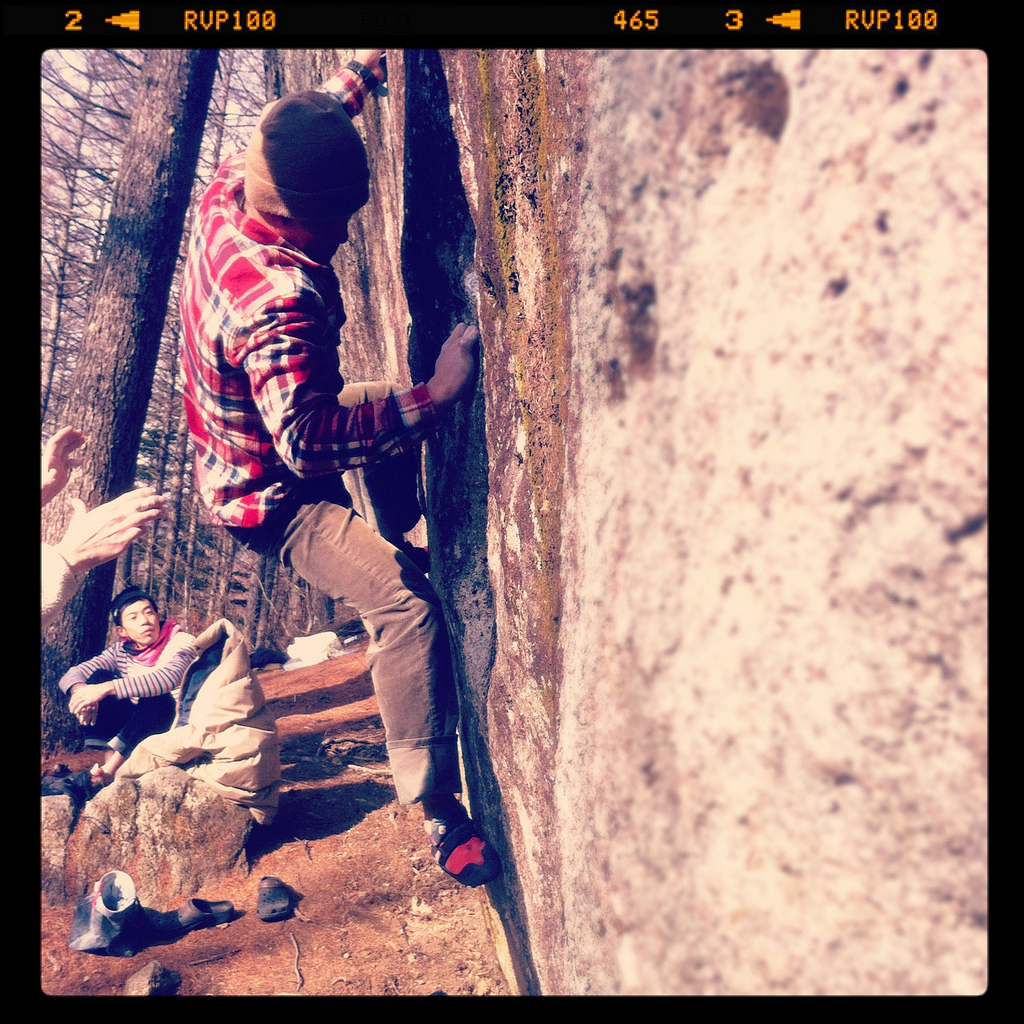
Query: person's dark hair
[130, 595]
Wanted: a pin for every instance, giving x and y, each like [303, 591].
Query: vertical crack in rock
[438, 240]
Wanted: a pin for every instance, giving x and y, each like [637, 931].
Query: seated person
[124, 694]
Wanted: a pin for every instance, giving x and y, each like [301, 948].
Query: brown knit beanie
[306, 159]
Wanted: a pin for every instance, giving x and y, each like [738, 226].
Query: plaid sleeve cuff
[416, 409]
[346, 86]
[369, 78]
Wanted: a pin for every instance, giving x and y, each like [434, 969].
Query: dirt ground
[375, 915]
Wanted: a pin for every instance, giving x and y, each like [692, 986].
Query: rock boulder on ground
[57, 819]
[171, 833]
[153, 980]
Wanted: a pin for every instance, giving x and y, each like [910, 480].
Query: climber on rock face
[275, 425]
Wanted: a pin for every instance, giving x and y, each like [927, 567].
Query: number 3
[734, 20]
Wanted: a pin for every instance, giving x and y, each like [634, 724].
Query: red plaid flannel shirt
[260, 357]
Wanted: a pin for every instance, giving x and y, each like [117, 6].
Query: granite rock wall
[712, 533]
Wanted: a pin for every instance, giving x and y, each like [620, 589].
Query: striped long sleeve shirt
[132, 679]
[260, 342]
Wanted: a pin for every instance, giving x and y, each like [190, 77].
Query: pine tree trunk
[118, 350]
[51, 353]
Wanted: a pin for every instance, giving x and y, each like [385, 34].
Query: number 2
[74, 21]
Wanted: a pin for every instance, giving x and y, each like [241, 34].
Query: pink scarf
[150, 655]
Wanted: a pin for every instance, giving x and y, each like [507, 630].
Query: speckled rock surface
[712, 534]
[171, 833]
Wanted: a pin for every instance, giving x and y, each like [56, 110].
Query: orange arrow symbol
[128, 20]
[790, 20]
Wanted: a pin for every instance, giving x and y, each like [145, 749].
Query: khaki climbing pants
[331, 547]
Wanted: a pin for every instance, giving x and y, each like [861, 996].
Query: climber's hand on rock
[371, 60]
[455, 367]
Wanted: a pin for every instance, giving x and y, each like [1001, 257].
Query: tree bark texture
[118, 349]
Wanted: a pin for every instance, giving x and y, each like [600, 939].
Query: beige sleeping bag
[229, 740]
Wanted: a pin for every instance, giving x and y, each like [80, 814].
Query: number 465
[637, 21]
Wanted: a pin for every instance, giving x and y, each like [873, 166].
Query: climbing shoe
[462, 850]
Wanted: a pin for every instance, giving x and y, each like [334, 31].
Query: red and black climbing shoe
[463, 851]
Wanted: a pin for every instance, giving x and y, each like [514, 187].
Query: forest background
[114, 228]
